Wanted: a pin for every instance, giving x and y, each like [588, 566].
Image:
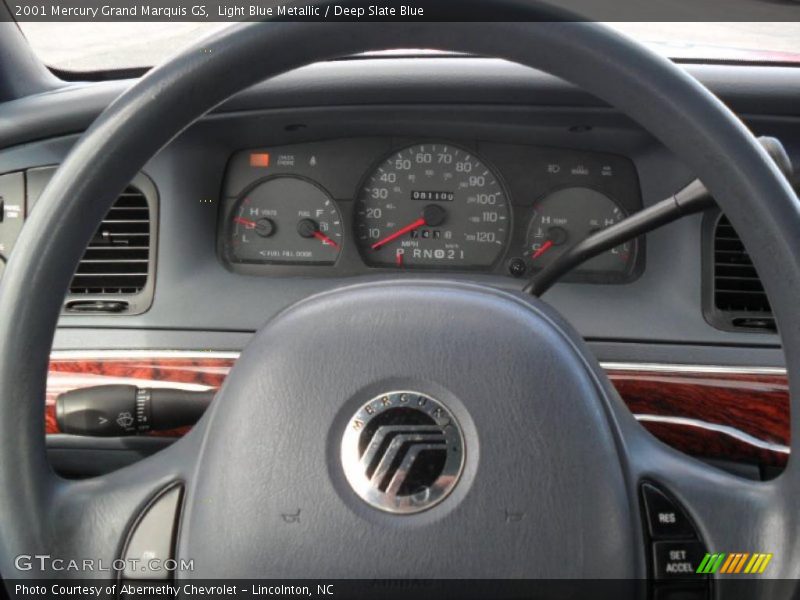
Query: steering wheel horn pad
[272, 441]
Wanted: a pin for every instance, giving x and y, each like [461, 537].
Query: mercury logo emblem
[403, 452]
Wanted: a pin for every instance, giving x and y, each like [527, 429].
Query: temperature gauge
[564, 218]
[285, 220]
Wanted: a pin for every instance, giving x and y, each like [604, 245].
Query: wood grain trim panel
[718, 413]
[728, 416]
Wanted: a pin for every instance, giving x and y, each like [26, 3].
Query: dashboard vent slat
[738, 291]
[117, 259]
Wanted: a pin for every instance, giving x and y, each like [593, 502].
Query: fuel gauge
[285, 220]
[567, 216]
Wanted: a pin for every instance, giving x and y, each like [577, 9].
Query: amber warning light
[259, 159]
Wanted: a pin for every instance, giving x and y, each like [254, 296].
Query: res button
[665, 519]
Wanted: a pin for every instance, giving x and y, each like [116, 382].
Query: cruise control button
[677, 560]
[151, 543]
[665, 518]
[12, 194]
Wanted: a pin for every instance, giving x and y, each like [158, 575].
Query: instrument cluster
[360, 205]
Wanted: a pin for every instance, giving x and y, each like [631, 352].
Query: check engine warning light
[259, 159]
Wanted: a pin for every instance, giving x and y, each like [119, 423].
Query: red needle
[325, 239]
[415, 225]
[244, 221]
[542, 249]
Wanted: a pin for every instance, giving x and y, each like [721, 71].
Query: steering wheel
[270, 486]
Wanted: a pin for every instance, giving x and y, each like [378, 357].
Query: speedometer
[432, 205]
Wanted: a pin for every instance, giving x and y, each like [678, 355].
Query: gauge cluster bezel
[341, 166]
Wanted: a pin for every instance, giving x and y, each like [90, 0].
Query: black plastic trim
[139, 302]
[723, 320]
[75, 456]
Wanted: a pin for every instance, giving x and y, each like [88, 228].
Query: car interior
[518, 301]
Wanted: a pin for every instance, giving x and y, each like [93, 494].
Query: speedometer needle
[393, 236]
[542, 249]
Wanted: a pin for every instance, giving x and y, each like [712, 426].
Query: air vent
[117, 260]
[738, 295]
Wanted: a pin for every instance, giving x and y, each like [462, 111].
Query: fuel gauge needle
[542, 249]
[325, 239]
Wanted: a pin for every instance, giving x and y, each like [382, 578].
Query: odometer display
[435, 206]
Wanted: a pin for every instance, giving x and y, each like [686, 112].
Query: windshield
[112, 46]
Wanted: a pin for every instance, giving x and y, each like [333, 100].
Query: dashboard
[383, 204]
[465, 169]
[321, 138]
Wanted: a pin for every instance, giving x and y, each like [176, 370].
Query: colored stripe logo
[734, 563]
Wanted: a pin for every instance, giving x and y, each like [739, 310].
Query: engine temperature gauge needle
[325, 239]
[244, 221]
[542, 249]
[400, 232]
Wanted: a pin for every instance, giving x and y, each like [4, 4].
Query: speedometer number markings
[432, 205]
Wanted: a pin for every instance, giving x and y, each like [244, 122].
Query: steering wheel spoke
[729, 514]
[97, 518]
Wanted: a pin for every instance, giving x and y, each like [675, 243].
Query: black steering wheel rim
[676, 109]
